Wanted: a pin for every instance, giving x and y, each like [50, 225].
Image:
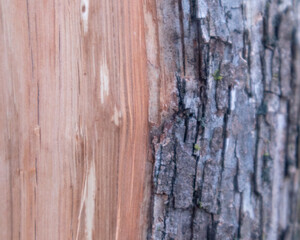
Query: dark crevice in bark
[255, 175]
[297, 146]
[240, 219]
[287, 160]
[235, 179]
[212, 229]
[294, 51]
[249, 87]
[261, 218]
[175, 173]
[164, 232]
[224, 135]
[181, 20]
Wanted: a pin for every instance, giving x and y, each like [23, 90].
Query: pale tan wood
[73, 119]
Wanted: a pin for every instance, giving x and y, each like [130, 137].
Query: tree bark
[224, 80]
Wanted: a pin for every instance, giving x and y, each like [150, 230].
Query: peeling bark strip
[227, 149]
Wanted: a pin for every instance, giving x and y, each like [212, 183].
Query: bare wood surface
[73, 119]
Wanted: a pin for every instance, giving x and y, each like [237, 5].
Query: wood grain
[73, 119]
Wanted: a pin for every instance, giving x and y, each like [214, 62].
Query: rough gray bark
[226, 157]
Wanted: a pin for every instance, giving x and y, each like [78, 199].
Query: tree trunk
[96, 93]
[225, 79]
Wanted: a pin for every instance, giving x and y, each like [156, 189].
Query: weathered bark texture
[224, 102]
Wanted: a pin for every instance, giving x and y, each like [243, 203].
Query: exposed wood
[74, 119]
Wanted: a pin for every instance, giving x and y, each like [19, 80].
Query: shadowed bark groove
[227, 149]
